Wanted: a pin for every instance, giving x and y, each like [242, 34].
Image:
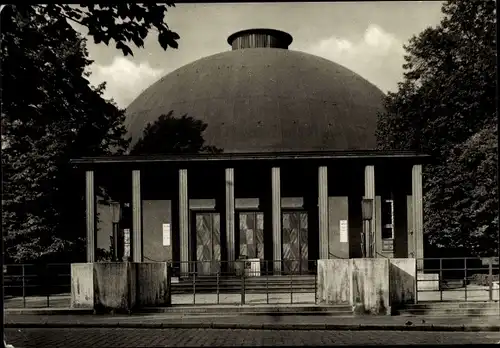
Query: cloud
[124, 79]
[377, 56]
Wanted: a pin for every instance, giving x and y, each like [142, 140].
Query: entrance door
[251, 241]
[207, 243]
[295, 242]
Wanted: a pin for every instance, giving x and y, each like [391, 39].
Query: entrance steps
[255, 310]
[256, 285]
[450, 309]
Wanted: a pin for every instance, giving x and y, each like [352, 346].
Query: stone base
[370, 286]
[119, 287]
[153, 284]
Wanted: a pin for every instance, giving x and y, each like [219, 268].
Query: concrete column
[136, 217]
[370, 194]
[276, 217]
[229, 176]
[418, 213]
[323, 212]
[183, 220]
[90, 210]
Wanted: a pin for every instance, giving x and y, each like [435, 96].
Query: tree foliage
[170, 135]
[123, 23]
[445, 106]
[50, 114]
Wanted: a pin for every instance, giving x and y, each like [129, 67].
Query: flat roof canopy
[411, 156]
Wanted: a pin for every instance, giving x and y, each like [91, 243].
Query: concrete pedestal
[371, 286]
[153, 284]
[119, 286]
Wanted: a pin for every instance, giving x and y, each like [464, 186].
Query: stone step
[452, 309]
[454, 304]
[291, 309]
[450, 312]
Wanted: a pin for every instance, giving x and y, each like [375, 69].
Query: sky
[366, 37]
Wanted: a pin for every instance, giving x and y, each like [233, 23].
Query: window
[387, 219]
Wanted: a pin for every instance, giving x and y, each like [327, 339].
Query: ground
[97, 338]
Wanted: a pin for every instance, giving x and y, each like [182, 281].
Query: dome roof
[265, 99]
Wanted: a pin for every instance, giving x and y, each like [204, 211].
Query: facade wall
[299, 192]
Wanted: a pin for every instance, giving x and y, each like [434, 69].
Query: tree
[170, 135]
[443, 107]
[50, 114]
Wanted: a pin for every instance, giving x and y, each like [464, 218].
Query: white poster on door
[344, 238]
[166, 234]
[126, 242]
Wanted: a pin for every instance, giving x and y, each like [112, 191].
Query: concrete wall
[119, 286]
[82, 285]
[153, 281]
[338, 209]
[334, 281]
[114, 286]
[370, 285]
[402, 283]
[155, 213]
[104, 286]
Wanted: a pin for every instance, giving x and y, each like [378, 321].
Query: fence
[457, 279]
[256, 281]
[243, 282]
[37, 285]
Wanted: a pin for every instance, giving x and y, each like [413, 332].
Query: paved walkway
[97, 338]
[257, 322]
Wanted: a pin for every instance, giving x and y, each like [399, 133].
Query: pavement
[104, 337]
[268, 322]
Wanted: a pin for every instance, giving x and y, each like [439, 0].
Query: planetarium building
[298, 178]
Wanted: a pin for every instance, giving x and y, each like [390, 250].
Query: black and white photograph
[250, 174]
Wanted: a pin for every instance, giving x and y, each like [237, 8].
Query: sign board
[344, 235]
[166, 234]
[126, 242]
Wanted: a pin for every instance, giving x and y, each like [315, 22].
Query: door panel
[251, 235]
[207, 243]
[295, 242]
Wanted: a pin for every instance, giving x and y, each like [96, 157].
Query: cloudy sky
[366, 37]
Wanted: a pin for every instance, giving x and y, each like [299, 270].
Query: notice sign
[166, 234]
[126, 242]
[343, 231]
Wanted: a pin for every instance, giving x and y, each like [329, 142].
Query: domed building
[298, 179]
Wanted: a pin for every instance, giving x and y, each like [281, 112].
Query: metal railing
[457, 279]
[244, 281]
[37, 285]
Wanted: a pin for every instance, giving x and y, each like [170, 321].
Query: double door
[208, 243]
[295, 254]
